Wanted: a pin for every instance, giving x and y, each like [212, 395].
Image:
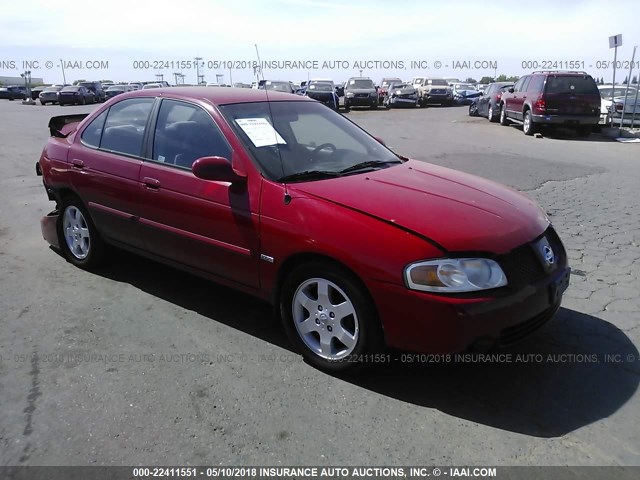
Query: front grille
[362, 95]
[523, 266]
[438, 91]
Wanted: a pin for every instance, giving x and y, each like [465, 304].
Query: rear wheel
[77, 235]
[329, 316]
[492, 114]
[503, 115]
[528, 127]
[42, 103]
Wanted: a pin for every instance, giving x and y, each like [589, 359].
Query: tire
[491, 115]
[77, 235]
[504, 120]
[42, 103]
[473, 110]
[528, 127]
[312, 322]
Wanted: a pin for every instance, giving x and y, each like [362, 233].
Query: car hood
[458, 211]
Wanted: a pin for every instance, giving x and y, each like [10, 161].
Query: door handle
[77, 163]
[151, 183]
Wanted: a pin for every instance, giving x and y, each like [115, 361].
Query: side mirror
[218, 169]
[511, 90]
[481, 94]
[379, 140]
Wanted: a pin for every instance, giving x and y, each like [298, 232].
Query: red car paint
[373, 223]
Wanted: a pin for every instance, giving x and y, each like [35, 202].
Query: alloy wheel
[76, 232]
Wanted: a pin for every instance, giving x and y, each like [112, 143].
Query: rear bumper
[48, 226]
[569, 120]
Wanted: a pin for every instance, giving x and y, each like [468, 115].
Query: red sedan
[283, 198]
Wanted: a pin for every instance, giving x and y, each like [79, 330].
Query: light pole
[175, 76]
[64, 79]
[197, 59]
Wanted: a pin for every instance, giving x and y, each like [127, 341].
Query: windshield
[572, 84]
[307, 136]
[439, 81]
[417, 81]
[52, 89]
[465, 87]
[70, 89]
[321, 87]
[390, 81]
[359, 83]
[278, 86]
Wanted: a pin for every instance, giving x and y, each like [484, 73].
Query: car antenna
[287, 197]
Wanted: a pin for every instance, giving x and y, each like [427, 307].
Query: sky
[137, 40]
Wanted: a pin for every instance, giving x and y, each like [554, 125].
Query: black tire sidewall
[370, 332]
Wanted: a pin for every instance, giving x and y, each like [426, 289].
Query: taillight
[498, 97]
[540, 104]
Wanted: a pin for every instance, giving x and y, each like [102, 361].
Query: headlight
[349, 94]
[455, 275]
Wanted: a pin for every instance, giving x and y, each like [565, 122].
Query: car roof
[218, 96]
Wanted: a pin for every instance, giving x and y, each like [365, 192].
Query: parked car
[464, 93]
[488, 104]
[95, 87]
[277, 85]
[433, 91]
[35, 92]
[552, 98]
[117, 90]
[384, 87]
[136, 85]
[631, 108]
[401, 94]
[360, 92]
[50, 94]
[293, 203]
[608, 94]
[75, 95]
[324, 92]
[147, 86]
[13, 92]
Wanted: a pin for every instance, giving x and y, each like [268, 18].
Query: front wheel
[77, 235]
[329, 317]
[473, 110]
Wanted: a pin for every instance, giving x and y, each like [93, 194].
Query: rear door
[106, 161]
[572, 95]
[203, 224]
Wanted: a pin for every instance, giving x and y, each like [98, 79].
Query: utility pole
[175, 76]
[198, 79]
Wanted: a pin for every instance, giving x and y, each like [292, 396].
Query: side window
[535, 85]
[185, 133]
[518, 86]
[92, 134]
[125, 126]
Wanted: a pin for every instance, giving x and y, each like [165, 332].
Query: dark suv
[96, 88]
[360, 92]
[556, 98]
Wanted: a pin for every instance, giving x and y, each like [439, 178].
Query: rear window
[70, 89]
[571, 84]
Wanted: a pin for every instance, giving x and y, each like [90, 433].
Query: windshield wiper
[309, 175]
[367, 164]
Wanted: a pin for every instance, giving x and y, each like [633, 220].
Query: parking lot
[141, 364]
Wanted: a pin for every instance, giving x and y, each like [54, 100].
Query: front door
[206, 225]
